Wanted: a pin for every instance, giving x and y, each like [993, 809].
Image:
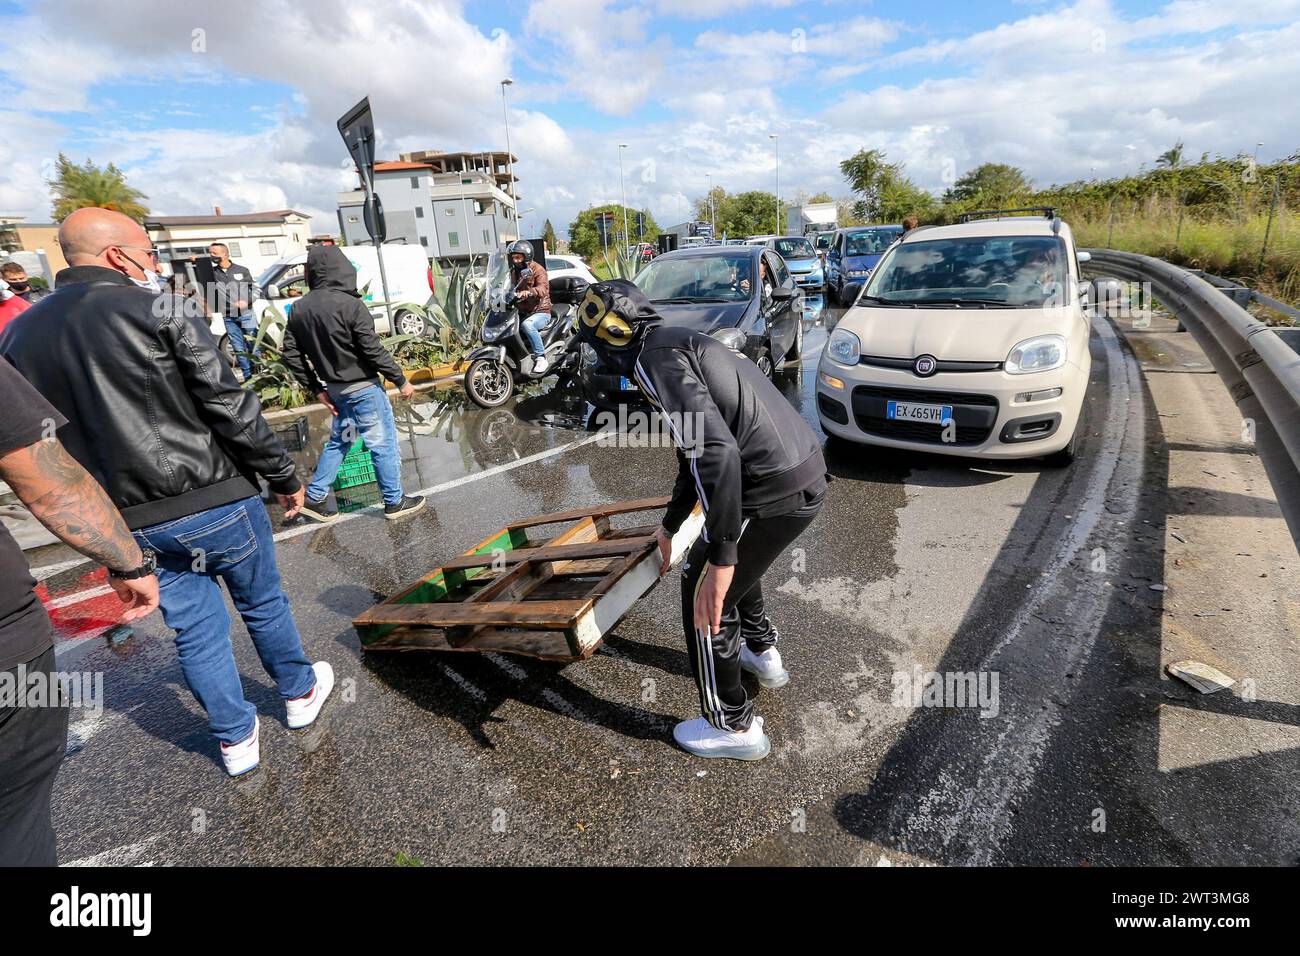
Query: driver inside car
[532, 292]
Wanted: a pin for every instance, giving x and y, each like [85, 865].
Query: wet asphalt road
[916, 562]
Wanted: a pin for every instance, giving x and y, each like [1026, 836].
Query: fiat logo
[925, 365]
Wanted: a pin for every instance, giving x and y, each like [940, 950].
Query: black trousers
[33, 740]
[715, 658]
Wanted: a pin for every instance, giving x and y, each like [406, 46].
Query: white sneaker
[242, 757]
[767, 667]
[540, 365]
[701, 738]
[303, 710]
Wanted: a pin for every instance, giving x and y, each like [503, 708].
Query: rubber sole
[318, 516]
[755, 752]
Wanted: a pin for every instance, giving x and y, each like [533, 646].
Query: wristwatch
[146, 568]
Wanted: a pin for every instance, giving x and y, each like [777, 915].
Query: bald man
[155, 414]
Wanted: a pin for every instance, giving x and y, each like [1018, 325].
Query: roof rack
[1047, 212]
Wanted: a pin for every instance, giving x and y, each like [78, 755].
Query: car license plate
[626, 384]
[911, 412]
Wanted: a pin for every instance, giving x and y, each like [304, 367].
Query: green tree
[584, 237]
[548, 237]
[1172, 158]
[78, 186]
[884, 193]
[991, 185]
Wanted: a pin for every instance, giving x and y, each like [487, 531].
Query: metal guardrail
[1259, 368]
[1244, 295]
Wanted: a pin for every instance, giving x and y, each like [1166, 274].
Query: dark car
[714, 290]
[853, 253]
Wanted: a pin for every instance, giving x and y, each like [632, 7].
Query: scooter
[505, 357]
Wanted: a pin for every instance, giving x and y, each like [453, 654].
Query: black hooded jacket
[330, 340]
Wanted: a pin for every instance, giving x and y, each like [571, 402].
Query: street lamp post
[623, 191]
[510, 161]
[713, 212]
[776, 142]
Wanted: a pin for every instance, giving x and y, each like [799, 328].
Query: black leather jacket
[154, 412]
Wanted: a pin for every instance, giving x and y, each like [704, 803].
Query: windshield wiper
[1001, 304]
[883, 301]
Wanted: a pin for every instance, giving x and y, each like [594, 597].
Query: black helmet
[523, 247]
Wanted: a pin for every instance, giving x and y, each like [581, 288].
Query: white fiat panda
[969, 339]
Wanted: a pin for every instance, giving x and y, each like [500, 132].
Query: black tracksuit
[756, 468]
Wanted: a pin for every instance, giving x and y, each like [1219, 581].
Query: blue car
[802, 260]
[854, 252]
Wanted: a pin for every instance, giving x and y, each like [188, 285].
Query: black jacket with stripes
[742, 448]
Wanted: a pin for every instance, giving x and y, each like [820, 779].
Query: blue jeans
[231, 544]
[364, 414]
[235, 330]
[531, 327]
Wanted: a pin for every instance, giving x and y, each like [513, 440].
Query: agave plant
[621, 265]
[272, 381]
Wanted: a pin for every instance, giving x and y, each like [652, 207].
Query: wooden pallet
[522, 592]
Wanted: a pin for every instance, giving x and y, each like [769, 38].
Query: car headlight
[844, 347]
[733, 339]
[859, 273]
[1039, 354]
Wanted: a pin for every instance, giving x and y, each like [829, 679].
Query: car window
[795, 248]
[1019, 271]
[557, 265]
[870, 242]
[716, 278]
[778, 266]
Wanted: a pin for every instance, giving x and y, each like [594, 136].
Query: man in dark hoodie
[331, 347]
[756, 470]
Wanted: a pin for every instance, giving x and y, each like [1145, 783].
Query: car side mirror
[273, 291]
[782, 294]
[851, 292]
[1082, 257]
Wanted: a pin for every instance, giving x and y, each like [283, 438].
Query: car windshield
[709, 278]
[871, 242]
[1018, 271]
[795, 248]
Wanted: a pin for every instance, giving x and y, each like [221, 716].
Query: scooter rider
[532, 291]
[756, 469]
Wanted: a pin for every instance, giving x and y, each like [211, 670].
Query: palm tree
[1172, 157]
[77, 186]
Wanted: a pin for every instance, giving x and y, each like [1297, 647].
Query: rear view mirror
[1083, 257]
[782, 294]
[273, 291]
[851, 292]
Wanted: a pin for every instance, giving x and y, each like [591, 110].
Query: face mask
[151, 281]
[20, 287]
[5, 294]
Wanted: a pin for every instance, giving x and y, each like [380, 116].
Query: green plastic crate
[357, 468]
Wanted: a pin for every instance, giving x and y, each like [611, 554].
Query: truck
[810, 218]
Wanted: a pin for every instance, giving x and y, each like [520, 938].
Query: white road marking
[126, 855]
[299, 530]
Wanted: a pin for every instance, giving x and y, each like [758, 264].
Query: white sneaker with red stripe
[242, 757]
[302, 711]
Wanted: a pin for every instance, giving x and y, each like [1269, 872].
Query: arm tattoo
[70, 503]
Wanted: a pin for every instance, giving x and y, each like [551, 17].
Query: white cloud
[1044, 91]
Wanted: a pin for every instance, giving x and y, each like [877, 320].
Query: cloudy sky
[236, 105]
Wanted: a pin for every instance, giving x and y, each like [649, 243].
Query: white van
[407, 269]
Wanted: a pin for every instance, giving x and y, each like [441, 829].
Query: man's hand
[665, 542]
[293, 503]
[407, 391]
[140, 595]
[711, 595]
[324, 399]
